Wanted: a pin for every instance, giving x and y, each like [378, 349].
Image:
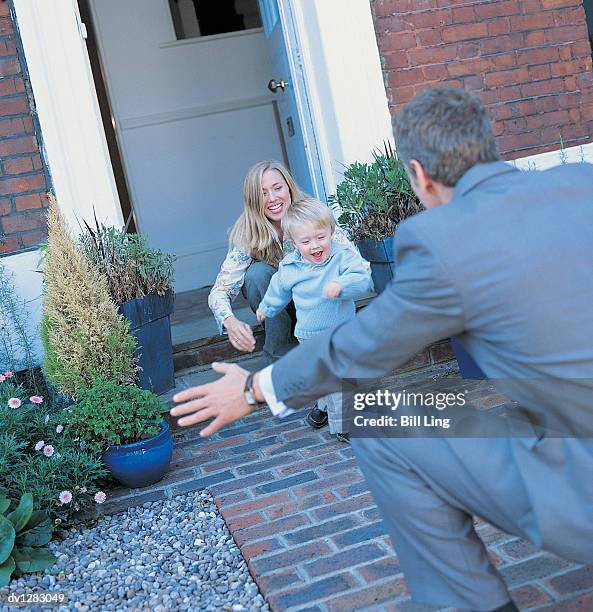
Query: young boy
[322, 278]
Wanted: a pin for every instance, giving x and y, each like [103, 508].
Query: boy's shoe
[343, 437]
[317, 418]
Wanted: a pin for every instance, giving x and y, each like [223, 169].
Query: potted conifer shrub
[372, 199]
[139, 281]
[84, 337]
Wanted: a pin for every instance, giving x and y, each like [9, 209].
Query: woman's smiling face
[276, 195]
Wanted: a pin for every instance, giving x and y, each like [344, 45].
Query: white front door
[191, 117]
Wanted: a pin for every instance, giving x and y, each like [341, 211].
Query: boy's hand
[332, 290]
[259, 315]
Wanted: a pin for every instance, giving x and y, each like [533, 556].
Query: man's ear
[418, 175]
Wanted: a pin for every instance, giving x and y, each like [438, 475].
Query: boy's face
[313, 242]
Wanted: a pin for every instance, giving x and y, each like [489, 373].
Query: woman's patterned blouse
[232, 274]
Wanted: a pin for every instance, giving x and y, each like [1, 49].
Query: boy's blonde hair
[307, 210]
[253, 231]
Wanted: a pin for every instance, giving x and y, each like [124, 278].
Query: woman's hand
[240, 334]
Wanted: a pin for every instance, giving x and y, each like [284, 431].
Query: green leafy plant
[374, 198]
[23, 534]
[109, 414]
[131, 267]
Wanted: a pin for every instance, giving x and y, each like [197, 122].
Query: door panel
[285, 97]
[191, 117]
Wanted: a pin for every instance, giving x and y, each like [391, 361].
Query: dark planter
[380, 255]
[467, 366]
[143, 463]
[150, 324]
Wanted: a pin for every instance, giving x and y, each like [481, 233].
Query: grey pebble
[173, 554]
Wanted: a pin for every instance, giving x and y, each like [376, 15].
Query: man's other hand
[222, 400]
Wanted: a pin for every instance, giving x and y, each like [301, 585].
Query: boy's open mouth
[317, 256]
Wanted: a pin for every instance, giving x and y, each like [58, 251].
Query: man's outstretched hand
[222, 400]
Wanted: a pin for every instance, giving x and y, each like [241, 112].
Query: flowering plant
[39, 454]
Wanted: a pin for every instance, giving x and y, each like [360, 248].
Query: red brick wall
[529, 61]
[23, 176]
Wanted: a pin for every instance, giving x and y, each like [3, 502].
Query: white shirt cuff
[279, 409]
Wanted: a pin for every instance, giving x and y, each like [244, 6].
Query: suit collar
[480, 173]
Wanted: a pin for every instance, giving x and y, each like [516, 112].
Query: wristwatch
[249, 393]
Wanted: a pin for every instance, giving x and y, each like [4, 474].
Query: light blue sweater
[303, 282]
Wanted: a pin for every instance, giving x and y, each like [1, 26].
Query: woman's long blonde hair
[253, 231]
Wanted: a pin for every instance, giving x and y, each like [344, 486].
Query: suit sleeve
[354, 277]
[276, 298]
[421, 305]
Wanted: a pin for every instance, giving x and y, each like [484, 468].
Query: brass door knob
[273, 85]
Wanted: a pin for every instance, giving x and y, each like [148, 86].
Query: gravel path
[175, 554]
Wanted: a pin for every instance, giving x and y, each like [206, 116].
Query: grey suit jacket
[507, 266]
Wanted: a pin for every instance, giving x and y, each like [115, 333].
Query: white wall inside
[341, 64]
[191, 117]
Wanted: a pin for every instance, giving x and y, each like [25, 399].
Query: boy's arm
[354, 278]
[277, 297]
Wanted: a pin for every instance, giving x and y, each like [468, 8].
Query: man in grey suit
[502, 259]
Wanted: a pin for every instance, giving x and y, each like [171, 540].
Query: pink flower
[65, 497]
[36, 399]
[8, 374]
[100, 497]
[14, 402]
[59, 428]
[48, 450]
[2, 378]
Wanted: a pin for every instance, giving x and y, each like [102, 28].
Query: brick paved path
[298, 508]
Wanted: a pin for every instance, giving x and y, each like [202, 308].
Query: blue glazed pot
[143, 463]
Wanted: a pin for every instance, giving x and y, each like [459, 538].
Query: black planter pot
[380, 255]
[150, 324]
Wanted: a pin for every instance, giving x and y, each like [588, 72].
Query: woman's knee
[257, 279]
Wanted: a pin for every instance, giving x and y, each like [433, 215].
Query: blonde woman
[256, 246]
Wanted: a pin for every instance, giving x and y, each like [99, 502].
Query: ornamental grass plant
[131, 267]
[83, 335]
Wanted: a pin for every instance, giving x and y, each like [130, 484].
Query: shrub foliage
[83, 335]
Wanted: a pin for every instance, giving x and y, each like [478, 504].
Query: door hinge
[82, 29]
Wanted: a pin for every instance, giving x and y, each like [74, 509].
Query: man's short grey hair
[447, 130]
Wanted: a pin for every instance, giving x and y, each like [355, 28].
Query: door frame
[298, 79]
[74, 143]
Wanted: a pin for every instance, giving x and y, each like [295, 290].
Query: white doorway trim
[74, 140]
[310, 136]
[340, 63]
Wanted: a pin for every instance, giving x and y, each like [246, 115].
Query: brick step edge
[203, 351]
[202, 357]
